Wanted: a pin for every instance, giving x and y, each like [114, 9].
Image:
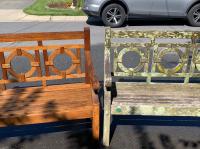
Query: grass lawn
[39, 7]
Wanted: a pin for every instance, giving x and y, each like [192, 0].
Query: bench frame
[36, 67]
[149, 71]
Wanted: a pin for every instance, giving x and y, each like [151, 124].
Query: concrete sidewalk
[12, 11]
[17, 15]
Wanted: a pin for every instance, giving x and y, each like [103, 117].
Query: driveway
[15, 4]
[131, 132]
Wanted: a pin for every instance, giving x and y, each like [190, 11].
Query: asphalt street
[15, 4]
[130, 132]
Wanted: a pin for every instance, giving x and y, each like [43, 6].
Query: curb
[17, 15]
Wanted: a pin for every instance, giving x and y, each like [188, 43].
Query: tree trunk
[75, 3]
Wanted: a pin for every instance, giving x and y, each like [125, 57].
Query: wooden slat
[42, 47]
[90, 77]
[2, 61]
[87, 55]
[152, 34]
[67, 99]
[74, 102]
[79, 113]
[50, 88]
[37, 59]
[45, 55]
[78, 54]
[53, 77]
[153, 99]
[41, 36]
[107, 61]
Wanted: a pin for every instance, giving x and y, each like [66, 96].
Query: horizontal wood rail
[41, 36]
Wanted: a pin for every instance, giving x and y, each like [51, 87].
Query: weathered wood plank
[164, 99]
[153, 34]
[155, 110]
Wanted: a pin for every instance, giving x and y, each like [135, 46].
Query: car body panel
[165, 8]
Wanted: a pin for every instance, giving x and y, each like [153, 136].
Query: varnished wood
[42, 47]
[2, 61]
[41, 36]
[37, 59]
[48, 103]
[90, 74]
[45, 55]
[78, 113]
[87, 55]
[96, 116]
[54, 77]
[78, 54]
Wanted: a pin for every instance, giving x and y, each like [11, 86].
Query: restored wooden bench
[158, 84]
[36, 95]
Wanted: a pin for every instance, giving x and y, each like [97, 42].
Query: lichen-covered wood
[153, 97]
[159, 51]
[166, 99]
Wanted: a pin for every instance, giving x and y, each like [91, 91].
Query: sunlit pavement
[131, 133]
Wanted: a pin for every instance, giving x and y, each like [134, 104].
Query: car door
[177, 7]
[160, 8]
[141, 7]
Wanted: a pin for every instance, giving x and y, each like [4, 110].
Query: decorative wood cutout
[67, 52]
[153, 66]
[180, 69]
[22, 76]
[5, 63]
[120, 69]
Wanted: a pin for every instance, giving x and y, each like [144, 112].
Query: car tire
[113, 15]
[193, 16]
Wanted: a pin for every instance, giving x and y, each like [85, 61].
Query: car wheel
[113, 15]
[194, 15]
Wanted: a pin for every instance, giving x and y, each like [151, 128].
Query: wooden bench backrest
[49, 53]
[151, 52]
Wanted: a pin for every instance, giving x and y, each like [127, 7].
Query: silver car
[114, 12]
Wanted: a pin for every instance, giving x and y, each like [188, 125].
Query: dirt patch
[60, 5]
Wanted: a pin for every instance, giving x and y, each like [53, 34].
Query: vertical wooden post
[154, 54]
[45, 58]
[78, 54]
[87, 55]
[4, 71]
[192, 65]
[107, 94]
[37, 59]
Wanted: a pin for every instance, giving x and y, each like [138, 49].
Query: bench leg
[95, 122]
[107, 119]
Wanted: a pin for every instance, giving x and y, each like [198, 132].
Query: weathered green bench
[166, 89]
